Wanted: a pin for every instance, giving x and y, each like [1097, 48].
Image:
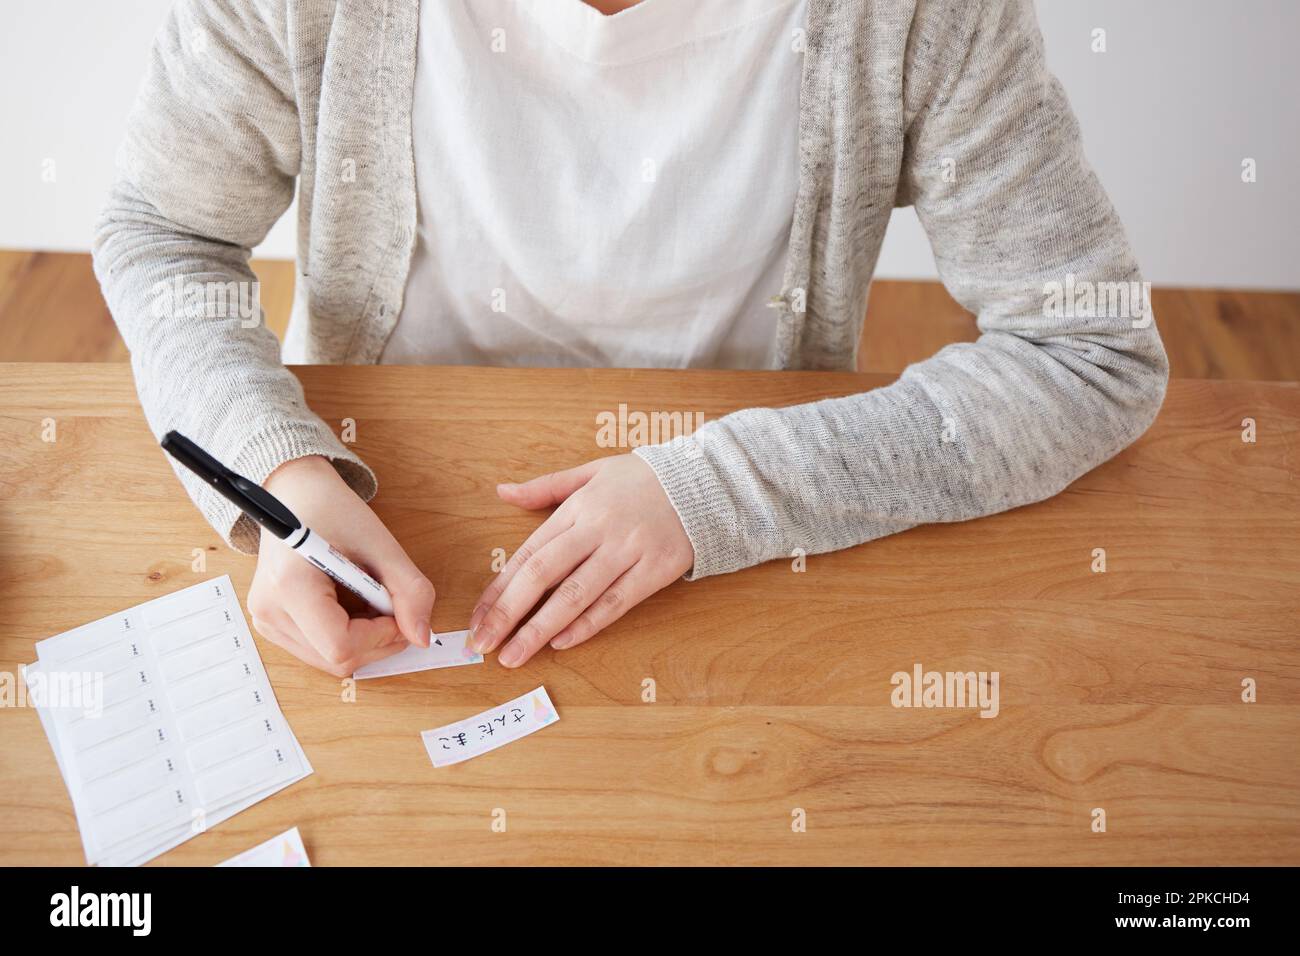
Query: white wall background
[1186, 90]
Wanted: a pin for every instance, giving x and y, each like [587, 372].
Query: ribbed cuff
[264, 451]
[701, 504]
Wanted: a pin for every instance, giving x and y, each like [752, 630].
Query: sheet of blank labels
[162, 721]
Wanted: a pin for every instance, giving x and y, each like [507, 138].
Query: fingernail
[560, 643]
[507, 486]
[510, 656]
[479, 611]
[479, 642]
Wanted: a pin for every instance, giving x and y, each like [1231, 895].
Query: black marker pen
[269, 512]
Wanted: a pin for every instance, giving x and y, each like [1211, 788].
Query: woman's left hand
[613, 541]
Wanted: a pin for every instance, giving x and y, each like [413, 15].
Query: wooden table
[1118, 690]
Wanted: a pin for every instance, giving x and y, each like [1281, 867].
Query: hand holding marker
[269, 512]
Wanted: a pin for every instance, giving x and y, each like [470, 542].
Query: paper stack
[162, 721]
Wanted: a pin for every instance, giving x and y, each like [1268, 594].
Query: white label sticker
[491, 729]
[453, 652]
[284, 850]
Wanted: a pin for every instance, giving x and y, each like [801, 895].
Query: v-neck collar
[643, 30]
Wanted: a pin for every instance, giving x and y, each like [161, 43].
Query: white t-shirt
[601, 190]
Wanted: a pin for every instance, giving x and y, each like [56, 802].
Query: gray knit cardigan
[946, 105]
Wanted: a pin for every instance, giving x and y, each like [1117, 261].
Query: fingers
[289, 596]
[570, 599]
[280, 630]
[532, 578]
[547, 490]
[314, 608]
[278, 633]
[326, 628]
[413, 597]
[550, 529]
[411, 591]
[632, 587]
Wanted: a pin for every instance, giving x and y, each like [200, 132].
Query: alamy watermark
[921, 688]
[129, 910]
[54, 690]
[1077, 298]
[625, 429]
[179, 298]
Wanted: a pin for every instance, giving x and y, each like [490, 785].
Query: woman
[663, 183]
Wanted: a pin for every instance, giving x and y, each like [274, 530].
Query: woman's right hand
[296, 605]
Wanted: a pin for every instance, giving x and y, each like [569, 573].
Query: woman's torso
[594, 190]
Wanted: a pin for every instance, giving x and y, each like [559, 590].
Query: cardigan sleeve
[1056, 384]
[207, 167]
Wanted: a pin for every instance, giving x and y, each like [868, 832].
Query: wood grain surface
[51, 310]
[1118, 690]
